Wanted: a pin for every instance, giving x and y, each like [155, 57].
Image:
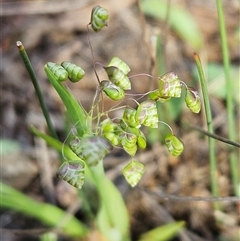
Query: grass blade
[163, 233]
[234, 164]
[212, 157]
[33, 77]
[46, 213]
[76, 113]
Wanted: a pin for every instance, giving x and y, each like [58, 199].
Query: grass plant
[112, 219]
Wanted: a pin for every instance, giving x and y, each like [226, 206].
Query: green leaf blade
[76, 113]
[163, 233]
[46, 213]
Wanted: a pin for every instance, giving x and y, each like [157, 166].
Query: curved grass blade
[113, 217]
[75, 112]
[163, 233]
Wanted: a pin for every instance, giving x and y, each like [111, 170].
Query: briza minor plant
[95, 135]
[91, 145]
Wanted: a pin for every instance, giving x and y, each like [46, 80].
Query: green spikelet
[174, 145]
[75, 145]
[169, 86]
[58, 71]
[72, 172]
[133, 172]
[141, 140]
[139, 135]
[129, 116]
[75, 73]
[99, 18]
[154, 95]
[112, 91]
[129, 143]
[147, 114]
[111, 132]
[192, 100]
[94, 149]
[120, 64]
[118, 77]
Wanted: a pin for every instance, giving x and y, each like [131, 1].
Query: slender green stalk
[216, 137]
[33, 77]
[213, 164]
[230, 98]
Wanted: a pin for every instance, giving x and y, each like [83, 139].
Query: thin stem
[176, 198]
[91, 49]
[230, 98]
[33, 77]
[94, 68]
[95, 103]
[142, 74]
[167, 126]
[213, 163]
[217, 137]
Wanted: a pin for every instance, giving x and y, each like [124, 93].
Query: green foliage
[109, 217]
[50, 236]
[91, 147]
[46, 213]
[234, 159]
[85, 153]
[163, 233]
[88, 146]
[179, 19]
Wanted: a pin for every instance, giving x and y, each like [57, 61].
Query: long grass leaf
[76, 113]
[46, 213]
[212, 156]
[163, 233]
